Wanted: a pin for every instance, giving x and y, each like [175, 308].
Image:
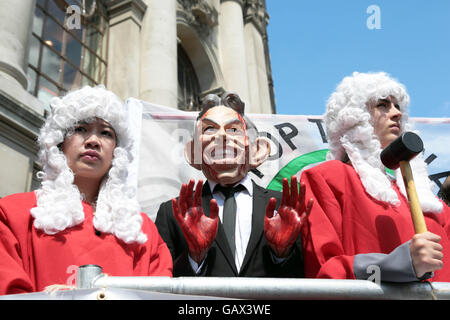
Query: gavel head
[404, 148]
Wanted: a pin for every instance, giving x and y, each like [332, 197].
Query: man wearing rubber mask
[229, 226]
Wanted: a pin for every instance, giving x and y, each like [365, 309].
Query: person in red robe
[85, 212]
[360, 226]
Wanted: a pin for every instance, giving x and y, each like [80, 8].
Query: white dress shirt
[244, 209]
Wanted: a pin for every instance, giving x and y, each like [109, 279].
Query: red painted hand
[198, 229]
[282, 230]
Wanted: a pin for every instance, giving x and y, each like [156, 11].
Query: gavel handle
[414, 204]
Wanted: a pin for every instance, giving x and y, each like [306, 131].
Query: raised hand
[282, 230]
[198, 229]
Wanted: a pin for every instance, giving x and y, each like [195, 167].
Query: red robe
[30, 260]
[345, 221]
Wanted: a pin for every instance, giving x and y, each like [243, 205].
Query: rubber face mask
[222, 135]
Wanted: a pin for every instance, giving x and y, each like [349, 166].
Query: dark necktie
[229, 213]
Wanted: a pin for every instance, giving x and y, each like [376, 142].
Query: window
[67, 49]
[188, 86]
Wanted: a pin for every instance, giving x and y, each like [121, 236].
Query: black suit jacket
[258, 260]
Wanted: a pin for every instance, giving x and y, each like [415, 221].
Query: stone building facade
[168, 52]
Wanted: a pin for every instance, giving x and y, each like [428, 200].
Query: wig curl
[351, 134]
[58, 200]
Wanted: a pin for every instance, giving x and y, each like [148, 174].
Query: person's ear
[193, 156]
[259, 152]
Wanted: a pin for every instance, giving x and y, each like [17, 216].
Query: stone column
[16, 18]
[158, 72]
[256, 18]
[232, 49]
[21, 114]
[123, 50]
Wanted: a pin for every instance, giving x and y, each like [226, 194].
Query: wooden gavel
[398, 154]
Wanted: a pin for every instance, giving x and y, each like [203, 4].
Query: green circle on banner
[294, 166]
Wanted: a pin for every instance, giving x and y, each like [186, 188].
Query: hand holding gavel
[426, 252]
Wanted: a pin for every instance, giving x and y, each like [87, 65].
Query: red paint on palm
[282, 230]
[198, 229]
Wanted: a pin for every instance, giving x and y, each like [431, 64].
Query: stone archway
[203, 59]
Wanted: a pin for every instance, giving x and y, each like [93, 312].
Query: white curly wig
[59, 200]
[351, 134]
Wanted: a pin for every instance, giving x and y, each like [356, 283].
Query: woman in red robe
[360, 226]
[84, 212]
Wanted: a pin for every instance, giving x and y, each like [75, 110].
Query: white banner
[297, 142]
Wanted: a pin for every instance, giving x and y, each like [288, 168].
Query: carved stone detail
[240, 2]
[198, 14]
[121, 10]
[256, 13]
